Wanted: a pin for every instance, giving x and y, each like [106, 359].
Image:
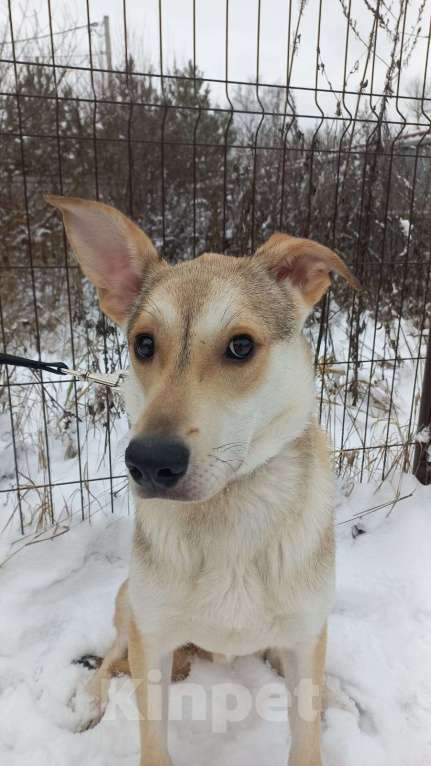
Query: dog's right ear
[113, 252]
[306, 264]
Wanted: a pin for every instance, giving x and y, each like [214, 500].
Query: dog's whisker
[235, 465]
[220, 459]
[229, 445]
[226, 462]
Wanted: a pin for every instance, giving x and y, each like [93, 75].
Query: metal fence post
[422, 461]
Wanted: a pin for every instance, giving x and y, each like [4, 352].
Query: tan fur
[238, 557]
[181, 663]
[307, 262]
[305, 735]
[180, 667]
[113, 227]
[116, 662]
[153, 739]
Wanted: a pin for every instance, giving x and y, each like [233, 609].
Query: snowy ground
[58, 581]
[57, 599]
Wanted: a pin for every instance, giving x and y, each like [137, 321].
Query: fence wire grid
[330, 140]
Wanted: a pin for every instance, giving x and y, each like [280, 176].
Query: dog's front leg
[151, 672]
[304, 669]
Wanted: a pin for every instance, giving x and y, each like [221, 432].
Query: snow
[405, 226]
[423, 437]
[58, 582]
[57, 601]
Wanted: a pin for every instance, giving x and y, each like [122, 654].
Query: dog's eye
[144, 346]
[240, 347]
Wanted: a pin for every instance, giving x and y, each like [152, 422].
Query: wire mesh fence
[329, 144]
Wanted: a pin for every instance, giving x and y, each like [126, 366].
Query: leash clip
[112, 380]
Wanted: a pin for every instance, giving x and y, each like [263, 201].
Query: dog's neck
[244, 515]
[275, 438]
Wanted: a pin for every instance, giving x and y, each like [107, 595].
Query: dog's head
[220, 377]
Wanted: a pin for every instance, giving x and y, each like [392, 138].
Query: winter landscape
[59, 583]
[335, 152]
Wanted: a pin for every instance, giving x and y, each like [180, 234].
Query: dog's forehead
[211, 292]
[199, 290]
[206, 300]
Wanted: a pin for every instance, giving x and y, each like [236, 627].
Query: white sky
[177, 15]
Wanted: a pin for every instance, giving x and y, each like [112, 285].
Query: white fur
[207, 586]
[239, 556]
[256, 426]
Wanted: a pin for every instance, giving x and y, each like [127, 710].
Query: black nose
[157, 461]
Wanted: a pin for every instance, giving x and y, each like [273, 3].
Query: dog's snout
[160, 462]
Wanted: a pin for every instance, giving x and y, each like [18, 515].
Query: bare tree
[419, 98]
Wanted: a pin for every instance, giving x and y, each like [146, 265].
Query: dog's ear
[113, 252]
[306, 264]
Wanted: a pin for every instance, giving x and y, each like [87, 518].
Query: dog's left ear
[306, 264]
[114, 253]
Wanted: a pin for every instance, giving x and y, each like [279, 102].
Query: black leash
[60, 368]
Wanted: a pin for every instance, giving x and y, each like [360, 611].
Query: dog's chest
[228, 605]
[237, 610]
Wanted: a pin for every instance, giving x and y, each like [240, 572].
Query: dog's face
[220, 379]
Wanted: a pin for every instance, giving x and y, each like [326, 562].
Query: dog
[233, 546]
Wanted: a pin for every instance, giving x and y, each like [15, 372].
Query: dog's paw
[87, 708]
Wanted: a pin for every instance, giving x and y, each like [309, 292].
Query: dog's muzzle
[157, 463]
